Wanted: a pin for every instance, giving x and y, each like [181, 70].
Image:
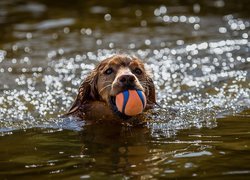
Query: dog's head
[112, 76]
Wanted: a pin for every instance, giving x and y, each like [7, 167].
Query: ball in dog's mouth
[130, 102]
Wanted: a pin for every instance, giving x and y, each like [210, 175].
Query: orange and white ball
[131, 102]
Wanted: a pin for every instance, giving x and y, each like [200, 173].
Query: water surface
[199, 57]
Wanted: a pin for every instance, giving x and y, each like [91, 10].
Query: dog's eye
[138, 71]
[109, 71]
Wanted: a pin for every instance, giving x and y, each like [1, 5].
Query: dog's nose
[127, 79]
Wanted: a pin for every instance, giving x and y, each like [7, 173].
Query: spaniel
[96, 96]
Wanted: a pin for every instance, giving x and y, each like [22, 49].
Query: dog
[96, 95]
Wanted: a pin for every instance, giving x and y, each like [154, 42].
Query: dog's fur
[95, 99]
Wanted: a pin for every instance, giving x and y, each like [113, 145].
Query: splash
[199, 88]
[200, 68]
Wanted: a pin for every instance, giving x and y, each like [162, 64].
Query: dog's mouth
[112, 102]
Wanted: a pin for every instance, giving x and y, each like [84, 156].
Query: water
[199, 58]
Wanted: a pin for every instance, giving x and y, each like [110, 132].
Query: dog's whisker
[109, 85]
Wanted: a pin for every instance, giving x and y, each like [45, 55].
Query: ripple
[192, 154]
[196, 89]
[45, 25]
[199, 74]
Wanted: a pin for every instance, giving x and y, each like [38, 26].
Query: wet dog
[96, 95]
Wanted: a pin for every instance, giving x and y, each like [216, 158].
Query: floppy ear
[87, 91]
[151, 91]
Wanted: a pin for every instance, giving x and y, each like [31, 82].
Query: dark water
[198, 52]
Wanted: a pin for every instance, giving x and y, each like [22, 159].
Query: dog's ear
[151, 91]
[87, 91]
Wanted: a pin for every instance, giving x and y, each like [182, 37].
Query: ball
[131, 102]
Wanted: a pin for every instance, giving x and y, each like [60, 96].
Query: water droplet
[179, 42]
[138, 13]
[27, 50]
[222, 30]
[183, 18]
[233, 26]
[147, 42]
[191, 20]
[175, 18]
[88, 31]
[131, 46]
[66, 30]
[10, 69]
[166, 18]
[219, 3]
[99, 42]
[143, 23]
[60, 51]
[111, 45]
[107, 17]
[196, 26]
[196, 8]
[15, 47]
[29, 35]
[245, 35]
[13, 61]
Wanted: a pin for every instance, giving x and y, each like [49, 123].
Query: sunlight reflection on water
[199, 88]
[198, 54]
[201, 79]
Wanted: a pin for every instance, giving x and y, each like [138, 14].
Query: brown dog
[96, 96]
